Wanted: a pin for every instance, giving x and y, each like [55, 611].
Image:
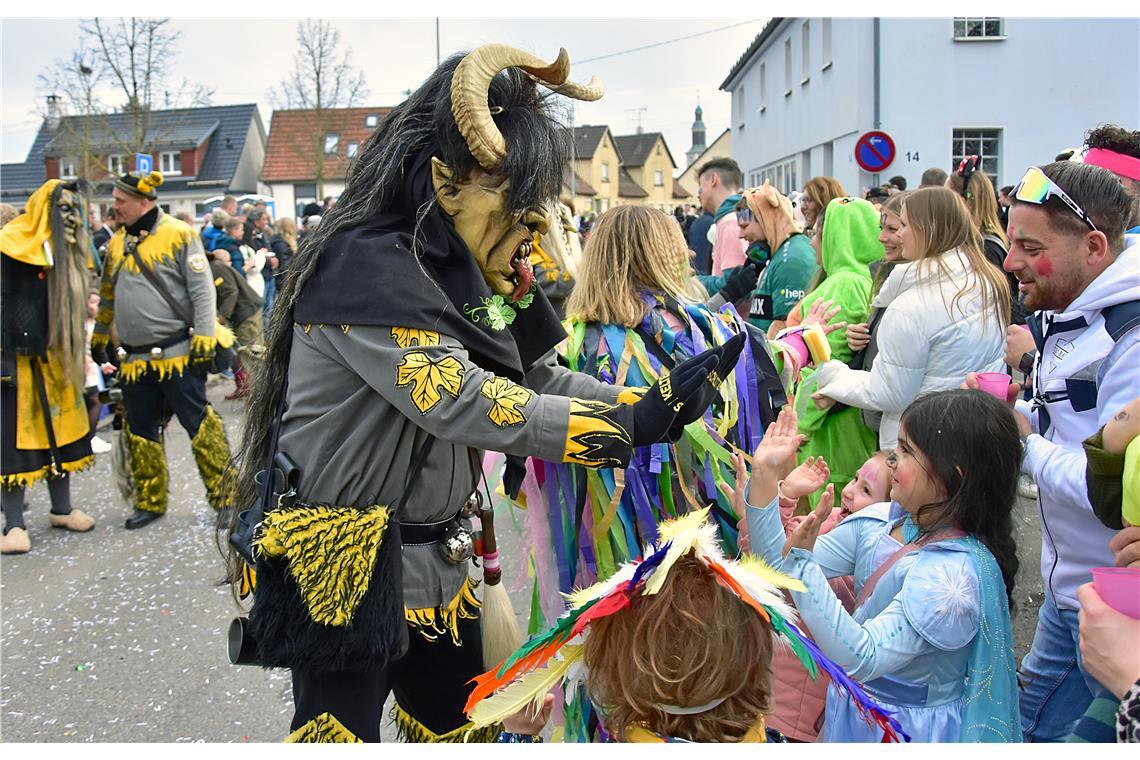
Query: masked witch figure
[43, 416]
[409, 335]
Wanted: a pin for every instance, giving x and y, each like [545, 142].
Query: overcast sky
[245, 59]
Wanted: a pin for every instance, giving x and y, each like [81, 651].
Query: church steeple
[698, 134]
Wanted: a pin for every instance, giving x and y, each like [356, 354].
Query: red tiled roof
[295, 135]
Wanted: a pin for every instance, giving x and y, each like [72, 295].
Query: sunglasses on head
[1036, 188]
[743, 216]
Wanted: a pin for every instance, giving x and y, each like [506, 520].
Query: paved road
[118, 636]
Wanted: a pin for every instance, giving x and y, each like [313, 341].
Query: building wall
[721, 148]
[591, 171]
[810, 117]
[660, 197]
[1043, 86]
[245, 178]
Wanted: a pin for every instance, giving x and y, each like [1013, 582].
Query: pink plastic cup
[996, 384]
[1119, 587]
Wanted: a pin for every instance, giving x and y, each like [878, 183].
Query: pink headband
[1117, 163]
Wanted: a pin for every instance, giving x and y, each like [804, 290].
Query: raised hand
[695, 405]
[805, 534]
[808, 478]
[776, 454]
[821, 313]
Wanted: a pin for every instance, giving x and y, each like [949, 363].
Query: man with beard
[158, 290]
[43, 416]
[409, 335]
[1066, 228]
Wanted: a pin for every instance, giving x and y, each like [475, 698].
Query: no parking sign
[874, 151]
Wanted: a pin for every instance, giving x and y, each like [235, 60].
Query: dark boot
[241, 385]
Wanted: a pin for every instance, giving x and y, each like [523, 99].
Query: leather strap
[153, 278]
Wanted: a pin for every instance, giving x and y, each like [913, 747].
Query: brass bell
[457, 544]
[155, 353]
[121, 353]
[473, 505]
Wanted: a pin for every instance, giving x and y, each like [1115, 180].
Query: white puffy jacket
[926, 342]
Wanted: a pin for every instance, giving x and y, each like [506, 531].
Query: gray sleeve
[429, 378]
[199, 284]
[548, 376]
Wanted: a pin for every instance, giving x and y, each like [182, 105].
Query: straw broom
[501, 635]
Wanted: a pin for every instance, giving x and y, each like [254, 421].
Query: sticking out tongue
[525, 275]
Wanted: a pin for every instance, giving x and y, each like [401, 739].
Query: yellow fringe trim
[411, 730]
[148, 468]
[25, 479]
[165, 368]
[323, 729]
[224, 335]
[631, 395]
[212, 453]
[100, 341]
[200, 344]
[331, 552]
[433, 622]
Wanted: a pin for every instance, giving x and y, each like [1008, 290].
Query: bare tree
[136, 55]
[323, 77]
[122, 66]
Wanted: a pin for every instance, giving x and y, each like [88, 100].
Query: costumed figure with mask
[159, 293]
[631, 319]
[43, 416]
[555, 256]
[409, 335]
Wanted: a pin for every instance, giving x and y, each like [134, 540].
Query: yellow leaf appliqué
[428, 377]
[507, 401]
[406, 337]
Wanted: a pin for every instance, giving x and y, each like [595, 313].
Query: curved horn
[472, 79]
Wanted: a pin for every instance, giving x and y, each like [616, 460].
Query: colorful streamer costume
[555, 656]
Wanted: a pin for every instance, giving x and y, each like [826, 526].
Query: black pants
[149, 400]
[430, 682]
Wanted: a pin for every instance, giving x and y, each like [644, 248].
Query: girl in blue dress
[934, 568]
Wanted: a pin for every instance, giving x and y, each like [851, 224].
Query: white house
[1015, 91]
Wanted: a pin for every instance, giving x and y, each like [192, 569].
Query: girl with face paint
[934, 568]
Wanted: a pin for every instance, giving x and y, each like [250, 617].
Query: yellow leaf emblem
[507, 401]
[406, 337]
[428, 377]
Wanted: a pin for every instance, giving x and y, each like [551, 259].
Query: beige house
[721, 148]
[647, 162]
[595, 159]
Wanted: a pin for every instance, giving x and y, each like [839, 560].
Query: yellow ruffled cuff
[100, 340]
[200, 344]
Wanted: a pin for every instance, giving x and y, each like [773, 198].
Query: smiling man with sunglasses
[1066, 229]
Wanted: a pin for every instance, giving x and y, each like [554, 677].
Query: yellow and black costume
[166, 348]
[43, 417]
[411, 333]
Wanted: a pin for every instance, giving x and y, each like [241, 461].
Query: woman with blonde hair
[284, 245]
[818, 192]
[977, 190]
[946, 310]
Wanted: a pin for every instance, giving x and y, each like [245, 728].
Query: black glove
[202, 359]
[655, 412]
[741, 283]
[697, 403]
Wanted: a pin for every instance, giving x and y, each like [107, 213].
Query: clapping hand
[775, 456]
[808, 478]
[821, 313]
[805, 534]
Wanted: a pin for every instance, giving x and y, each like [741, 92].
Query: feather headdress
[548, 658]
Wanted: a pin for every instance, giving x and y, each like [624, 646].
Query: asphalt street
[119, 636]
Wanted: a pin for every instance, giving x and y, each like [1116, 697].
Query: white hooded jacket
[1079, 348]
[927, 342]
